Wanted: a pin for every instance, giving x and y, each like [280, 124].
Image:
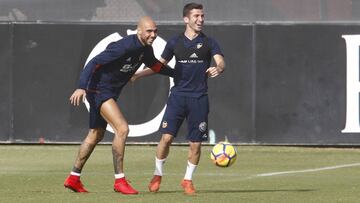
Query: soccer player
[193, 51]
[101, 82]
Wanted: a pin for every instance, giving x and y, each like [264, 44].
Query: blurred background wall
[170, 10]
[285, 81]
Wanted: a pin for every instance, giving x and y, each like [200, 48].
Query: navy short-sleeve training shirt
[193, 58]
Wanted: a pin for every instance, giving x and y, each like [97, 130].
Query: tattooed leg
[112, 114]
[87, 147]
[118, 150]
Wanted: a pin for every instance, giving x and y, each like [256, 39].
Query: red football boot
[154, 184]
[73, 183]
[188, 187]
[121, 185]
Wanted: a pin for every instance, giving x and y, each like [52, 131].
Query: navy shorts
[194, 110]
[95, 100]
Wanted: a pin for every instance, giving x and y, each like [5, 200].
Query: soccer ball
[223, 154]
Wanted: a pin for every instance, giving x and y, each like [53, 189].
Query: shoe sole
[153, 190]
[158, 182]
[126, 193]
[72, 189]
[150, 190]
[188, 193]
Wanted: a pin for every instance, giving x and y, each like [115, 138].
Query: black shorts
[95, 101]
[194, 110]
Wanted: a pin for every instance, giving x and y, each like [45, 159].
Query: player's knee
[122, 131]
[167, 139]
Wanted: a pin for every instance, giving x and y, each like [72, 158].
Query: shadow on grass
[241, 191]
[250, 191]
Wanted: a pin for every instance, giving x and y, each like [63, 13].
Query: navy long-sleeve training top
[110, 70]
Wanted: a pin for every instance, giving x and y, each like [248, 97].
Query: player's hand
[142, 73]
[134, 77]
[214, 71]
[77, 96]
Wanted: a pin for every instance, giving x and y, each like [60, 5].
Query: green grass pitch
[35, 173]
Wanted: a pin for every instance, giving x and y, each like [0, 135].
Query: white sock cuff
[191, 165]
[159, 160]
[120, 175]
[75, 174]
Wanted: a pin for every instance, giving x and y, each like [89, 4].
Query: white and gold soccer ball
[223, 154]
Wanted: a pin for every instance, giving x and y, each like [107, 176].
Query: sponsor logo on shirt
[193, 55]
[191, 61]
[127, 68]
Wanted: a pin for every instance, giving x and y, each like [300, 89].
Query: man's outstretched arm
[160, 67]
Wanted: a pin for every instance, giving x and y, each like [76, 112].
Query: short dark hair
[190, 6]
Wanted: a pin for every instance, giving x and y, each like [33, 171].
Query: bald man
[101, 82]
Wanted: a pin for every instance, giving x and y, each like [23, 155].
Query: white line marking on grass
[309, 170]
